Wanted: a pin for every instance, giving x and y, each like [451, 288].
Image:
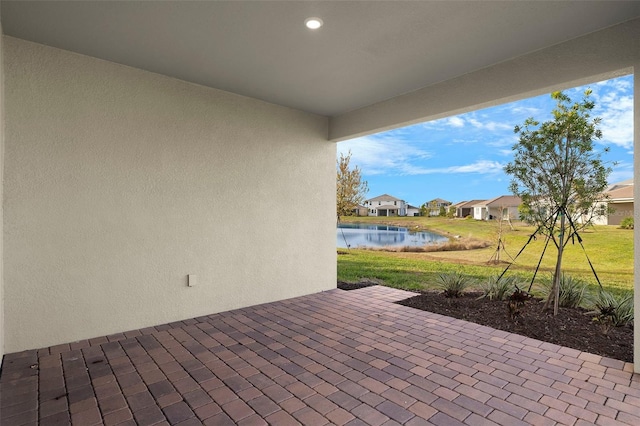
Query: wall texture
[1, 192]
[119, 183]
[621, 211]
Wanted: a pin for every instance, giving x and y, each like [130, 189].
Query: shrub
[500, 290]
[517, 300]
[573, 291]
[627, 223]
[453, 284]
[611, 310]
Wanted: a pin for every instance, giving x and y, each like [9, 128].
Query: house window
[394, 203]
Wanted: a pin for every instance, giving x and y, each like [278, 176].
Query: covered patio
[336, 357]
[129, 129]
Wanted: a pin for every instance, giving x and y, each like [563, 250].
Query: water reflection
[364, 234]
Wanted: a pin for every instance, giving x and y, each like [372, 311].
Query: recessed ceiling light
[313, 23]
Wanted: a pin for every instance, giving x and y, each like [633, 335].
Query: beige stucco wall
[119, 183]
[621, 211]
[1, 192]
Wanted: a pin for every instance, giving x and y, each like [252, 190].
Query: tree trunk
[555, 288]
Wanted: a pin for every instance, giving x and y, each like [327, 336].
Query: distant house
[413, 210]
[434, 206]
[386, 205]
[360, 211]
[455, 207]
[465, 208]
[505, 206]
[620, 202]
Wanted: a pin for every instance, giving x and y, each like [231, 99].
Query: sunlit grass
[610, 250]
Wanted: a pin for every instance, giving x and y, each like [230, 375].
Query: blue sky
[462, 157]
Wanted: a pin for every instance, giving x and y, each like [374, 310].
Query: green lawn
[609, 248]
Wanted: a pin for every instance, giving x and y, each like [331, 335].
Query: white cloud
[620, 175]
[618, 84]
[460, 121]
[621, 171]
[379, 155]
[484, 167]
[527, 111]
[456, 121]
[507, 141]
[383, 155]
[614, 104]
[490, 126]
[481, 166]
[617, 120]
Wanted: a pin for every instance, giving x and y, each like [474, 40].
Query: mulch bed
[572, 328]
[354, 286]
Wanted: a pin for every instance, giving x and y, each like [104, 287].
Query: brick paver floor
[337, 357]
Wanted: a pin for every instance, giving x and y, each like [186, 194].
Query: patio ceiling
[367, 52]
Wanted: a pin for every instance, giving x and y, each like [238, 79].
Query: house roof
[624, 193]
[439, 200]
[458, 204]
[384, 197]
[365, 53]
[409, 206]
[617, 185]
[387, 207]
[469, 204]
[501, 201]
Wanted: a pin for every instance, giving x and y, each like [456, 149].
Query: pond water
[365, 234]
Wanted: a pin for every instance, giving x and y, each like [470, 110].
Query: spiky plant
[453, 284]
[500, 289]
[573, 291]
[613, 310]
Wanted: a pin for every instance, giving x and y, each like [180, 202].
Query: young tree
[499, 236]
[559, 175]
[351, 189]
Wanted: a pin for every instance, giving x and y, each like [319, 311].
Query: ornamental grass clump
[573, 291]
[500, 289]
[453, 284]
[611, 310]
